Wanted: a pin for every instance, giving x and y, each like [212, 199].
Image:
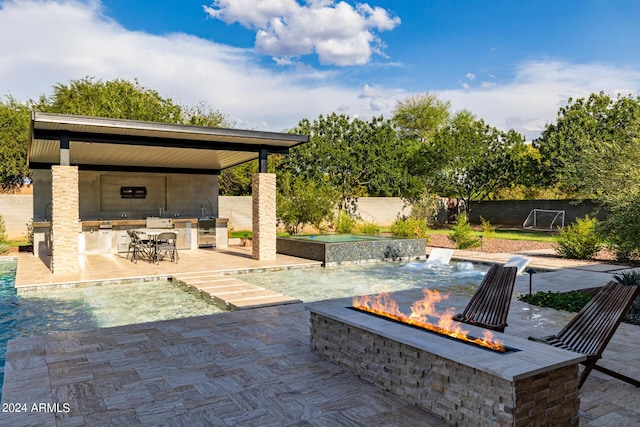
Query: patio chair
[489, 305]
[589, 332]
[166, 244]
[137, 246]
[440, 256]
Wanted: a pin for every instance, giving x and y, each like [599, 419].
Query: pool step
[232, 293]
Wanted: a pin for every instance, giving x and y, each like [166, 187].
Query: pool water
[59, 310]
[343, 281]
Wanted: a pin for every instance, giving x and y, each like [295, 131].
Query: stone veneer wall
[64, 216]
[264, 216]
[331, 254]
[459, 394]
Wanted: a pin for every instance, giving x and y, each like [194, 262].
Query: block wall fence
[17, 210]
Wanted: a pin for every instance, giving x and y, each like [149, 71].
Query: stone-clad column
[64, 219]
[264, 216]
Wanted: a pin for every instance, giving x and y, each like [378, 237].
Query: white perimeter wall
[17, 210]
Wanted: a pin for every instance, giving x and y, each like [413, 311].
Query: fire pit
[463, 384]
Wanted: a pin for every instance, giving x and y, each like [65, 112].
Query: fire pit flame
[422, 311]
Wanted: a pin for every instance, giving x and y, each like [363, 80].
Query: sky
[266, 64]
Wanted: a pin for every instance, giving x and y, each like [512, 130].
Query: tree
[594, 149]
[117, 99]
[420, 116]
[469, 159]
[355, 157]
[300, 202]
[14, 137]
[584, 125]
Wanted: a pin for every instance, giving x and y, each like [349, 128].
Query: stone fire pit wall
[464, 385]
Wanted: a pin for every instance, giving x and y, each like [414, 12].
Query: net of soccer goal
[544, 219]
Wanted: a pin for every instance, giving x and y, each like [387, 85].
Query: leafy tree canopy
[355, 157]
[120, 99]
[14, 136]
[470, 159]
[420, 116]
[584, 125]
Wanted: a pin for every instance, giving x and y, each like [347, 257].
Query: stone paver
[254, 367]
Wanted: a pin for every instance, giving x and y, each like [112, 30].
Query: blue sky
[267, 64]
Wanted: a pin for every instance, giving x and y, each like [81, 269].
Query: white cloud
[35, 55]
[183, 67]
[470, 76]
[338, 33]
[539, 89]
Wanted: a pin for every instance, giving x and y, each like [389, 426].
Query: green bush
[569, 301]
[3, 231]
[488, 230]
[410, 227]
[579, 240]
[367, 227]
[462, 233]
[301, 202]
[345, 223]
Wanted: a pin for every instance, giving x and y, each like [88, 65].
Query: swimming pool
[60, 310]
[343, 281]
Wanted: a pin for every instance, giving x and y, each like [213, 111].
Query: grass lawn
[536, 236]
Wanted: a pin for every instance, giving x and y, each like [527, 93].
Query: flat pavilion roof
[96, 143]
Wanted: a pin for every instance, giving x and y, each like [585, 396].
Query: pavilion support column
[65, 210]
[264, 216]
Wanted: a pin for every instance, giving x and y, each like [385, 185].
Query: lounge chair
[591, 329]
[518, 261]
[440, 256]
[489, 305]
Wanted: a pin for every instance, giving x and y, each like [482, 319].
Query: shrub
[3, 230]
[488, 230]
[345, 223]
[301, 202]
[410, 227]
[367, 227]
[4, 248]
[579, 240]
[569, 301]
[462, 233]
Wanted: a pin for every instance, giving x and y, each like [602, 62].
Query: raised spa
[335, 249]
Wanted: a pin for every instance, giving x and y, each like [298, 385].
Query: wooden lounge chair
[591, 329]
[489, 306]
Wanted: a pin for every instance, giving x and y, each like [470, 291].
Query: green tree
[355, 157]
[469, 159]
[583, 126]
[300, 202]
[594, 150]
[420, 116]
[14, 136]
[117, 99]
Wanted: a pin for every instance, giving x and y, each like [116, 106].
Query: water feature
[344, 281]
[59, 310]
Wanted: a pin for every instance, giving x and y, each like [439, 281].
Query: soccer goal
[544, 219]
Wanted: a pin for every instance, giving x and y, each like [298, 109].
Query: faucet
[45, 210]
[211, 206]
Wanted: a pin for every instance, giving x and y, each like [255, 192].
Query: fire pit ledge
[463, 384]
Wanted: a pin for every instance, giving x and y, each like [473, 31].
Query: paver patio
[254, 367]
